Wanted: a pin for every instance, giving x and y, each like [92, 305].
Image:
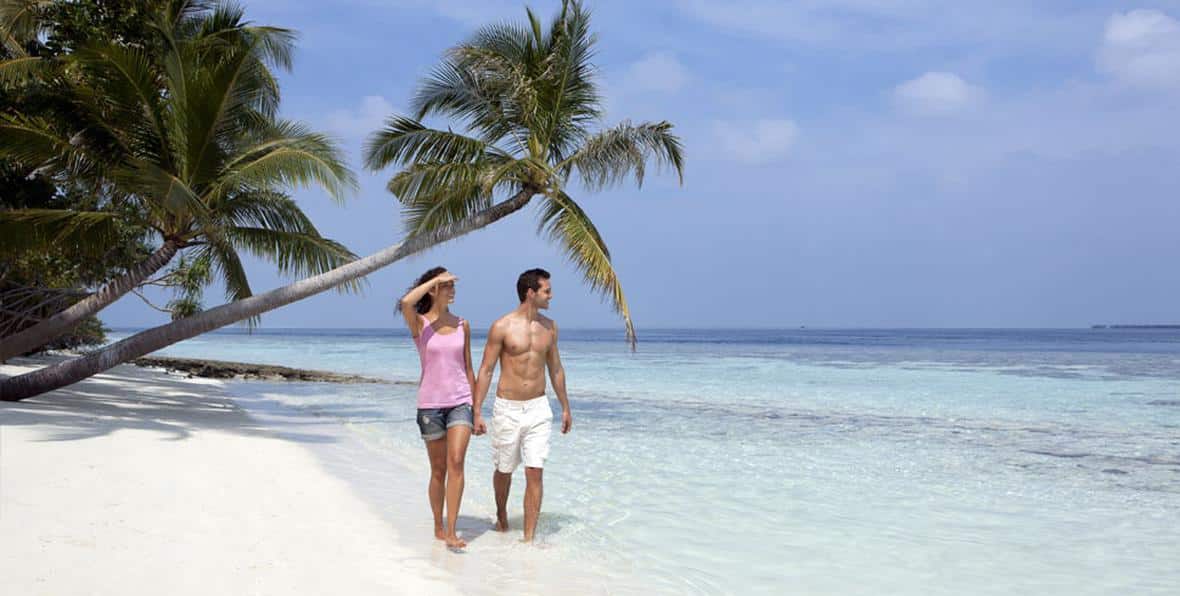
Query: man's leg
[436, 450]
[532, 501]
[501, 482]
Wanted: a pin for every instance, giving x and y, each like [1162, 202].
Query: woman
[444, 391]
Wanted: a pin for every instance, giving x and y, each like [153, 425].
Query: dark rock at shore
[220, 369]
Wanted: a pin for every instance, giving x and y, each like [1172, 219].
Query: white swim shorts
[520, 432]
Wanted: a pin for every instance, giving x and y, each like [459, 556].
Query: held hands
[481, 427]
[567, 421]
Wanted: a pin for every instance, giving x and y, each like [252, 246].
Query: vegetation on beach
[170, 129]
[525, 112]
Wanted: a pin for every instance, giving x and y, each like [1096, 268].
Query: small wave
[1055, 454]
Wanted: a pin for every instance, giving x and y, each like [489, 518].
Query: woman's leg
[457, 439]
[436, 450]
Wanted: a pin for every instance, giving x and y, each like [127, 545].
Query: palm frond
[405, 141]
[613, 155]
[45, 230]
[266, 209]
[227, 267]
[301, 254]
[568, 225]
[224, 25]
[33, 141]
[485, 103]
[219, 102]
[569, 89]
[20, 70]
[184, 15]
[161, 190]
[435, 195]
[124, 96]
[20, 23]
[290, 156]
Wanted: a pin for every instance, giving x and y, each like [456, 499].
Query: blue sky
[850, 163]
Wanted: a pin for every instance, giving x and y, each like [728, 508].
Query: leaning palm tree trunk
[144, 342]
[50, 328]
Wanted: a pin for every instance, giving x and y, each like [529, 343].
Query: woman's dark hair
[423, 305]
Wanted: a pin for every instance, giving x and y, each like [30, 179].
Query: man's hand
[567, 421]
[480, 426]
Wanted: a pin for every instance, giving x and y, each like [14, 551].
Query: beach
[141, 482]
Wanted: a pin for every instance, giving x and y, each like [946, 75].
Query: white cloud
[659, 71]
[936, 93]
[1142, 47]
[758, 142]
[362, 120]
[643, 86]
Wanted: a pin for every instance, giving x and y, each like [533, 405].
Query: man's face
[542, 295]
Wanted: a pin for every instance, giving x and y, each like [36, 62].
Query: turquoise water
[814, 461]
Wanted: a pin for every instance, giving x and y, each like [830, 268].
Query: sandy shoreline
[137, 481]
[224, 369]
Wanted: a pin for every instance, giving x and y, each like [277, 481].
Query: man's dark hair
[530, 280]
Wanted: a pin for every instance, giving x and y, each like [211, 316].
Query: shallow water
[805, 461]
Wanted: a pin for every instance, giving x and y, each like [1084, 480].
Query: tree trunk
[150, 340]
[47, 329]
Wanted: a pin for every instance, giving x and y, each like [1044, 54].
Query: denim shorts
[434, 422]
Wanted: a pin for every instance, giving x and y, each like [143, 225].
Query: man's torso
[523, 357]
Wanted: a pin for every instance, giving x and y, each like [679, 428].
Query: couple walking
[450, 395]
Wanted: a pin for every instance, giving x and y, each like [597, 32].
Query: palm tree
[186, 145]
[529, 97]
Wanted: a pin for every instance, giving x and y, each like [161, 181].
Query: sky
[849, 163]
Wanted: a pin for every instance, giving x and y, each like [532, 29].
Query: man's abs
[521, 377]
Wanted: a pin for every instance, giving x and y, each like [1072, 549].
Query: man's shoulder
[547, 323]
[504, 321]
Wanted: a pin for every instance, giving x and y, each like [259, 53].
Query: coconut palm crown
[527, 101]
[185, 142]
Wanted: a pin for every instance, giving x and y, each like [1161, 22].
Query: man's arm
[557, 376]
[491, 355]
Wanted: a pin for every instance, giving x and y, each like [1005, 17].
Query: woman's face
[445, 291]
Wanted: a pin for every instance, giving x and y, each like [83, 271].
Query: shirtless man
[524, 342]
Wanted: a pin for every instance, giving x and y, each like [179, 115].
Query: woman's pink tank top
[444, 367]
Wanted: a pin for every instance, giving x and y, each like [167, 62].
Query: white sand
[139, 482]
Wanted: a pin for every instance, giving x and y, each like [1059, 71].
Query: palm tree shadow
[125, 398]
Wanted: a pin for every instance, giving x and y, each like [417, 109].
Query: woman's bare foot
[501, 524]
[454, 541]
[440, 533]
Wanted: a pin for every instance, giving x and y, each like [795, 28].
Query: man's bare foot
[501, 522]
[440, 533]
[453, 541]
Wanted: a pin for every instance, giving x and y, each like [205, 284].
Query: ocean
[805, 461]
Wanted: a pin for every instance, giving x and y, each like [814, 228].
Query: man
[524, 342]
